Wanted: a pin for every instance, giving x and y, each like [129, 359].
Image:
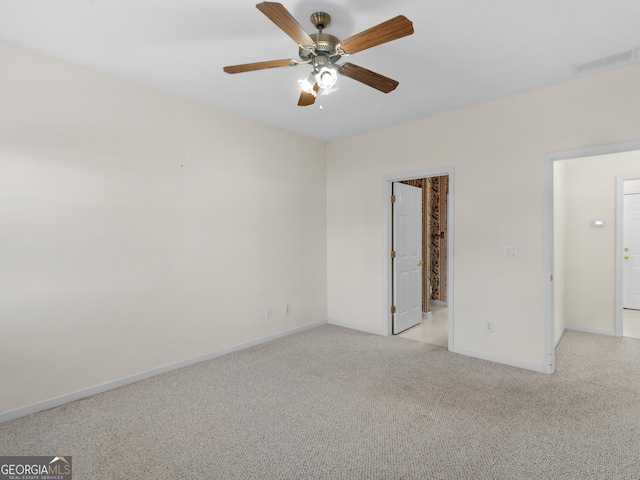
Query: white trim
[439, 303]
[536, 367]
[103, 387]
[548, 326]
[549, 158]
[387, 273]
[599, 331]
[427, 315]
[360, 328]
[559, 336]
[619, 254]
[595, 151]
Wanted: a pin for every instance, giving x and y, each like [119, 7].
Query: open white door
[407, 256]
[631, 244]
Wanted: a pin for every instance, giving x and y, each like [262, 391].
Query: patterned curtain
[439, 187]
[434, 244]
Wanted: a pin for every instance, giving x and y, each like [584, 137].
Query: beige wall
[497, 150]
[139, 229]
[590, 194]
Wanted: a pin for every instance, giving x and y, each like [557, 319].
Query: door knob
[626, 257]
[421, 263]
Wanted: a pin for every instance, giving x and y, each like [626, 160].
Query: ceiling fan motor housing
[325, 47]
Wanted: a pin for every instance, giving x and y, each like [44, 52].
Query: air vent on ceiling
[606, 61]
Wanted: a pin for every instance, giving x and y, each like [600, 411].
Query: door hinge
[393, 309]
[393, 199]
[393, 254]
[551, 278]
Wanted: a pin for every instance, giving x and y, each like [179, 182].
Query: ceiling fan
[322, 51]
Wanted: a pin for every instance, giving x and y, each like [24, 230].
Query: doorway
[571, 308]
[439, 316]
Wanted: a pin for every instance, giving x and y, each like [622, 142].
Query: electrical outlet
[287, 308]
[511, 251]
[268, 312]
[488, 326]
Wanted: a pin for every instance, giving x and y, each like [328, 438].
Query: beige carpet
[332, 403]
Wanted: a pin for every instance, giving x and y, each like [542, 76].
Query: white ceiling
[463, 52]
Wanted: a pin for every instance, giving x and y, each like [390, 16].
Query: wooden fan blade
[393, 29]
[307, 98]
[249, 67]
[289, 25]
[373, 79]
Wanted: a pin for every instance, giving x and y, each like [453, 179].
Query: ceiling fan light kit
[321, 51]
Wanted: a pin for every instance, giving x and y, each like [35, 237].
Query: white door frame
[619, 248]
[388, 272]
[549, 325]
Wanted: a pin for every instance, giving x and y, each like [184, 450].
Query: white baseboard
[498, 359]
[559, 337]
[599, 331]
[427, 315]
[353, 326]
[88, 392]
[439, 303]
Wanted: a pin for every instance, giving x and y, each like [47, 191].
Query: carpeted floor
[332, 403]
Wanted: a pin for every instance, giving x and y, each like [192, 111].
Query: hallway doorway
[583, 221]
